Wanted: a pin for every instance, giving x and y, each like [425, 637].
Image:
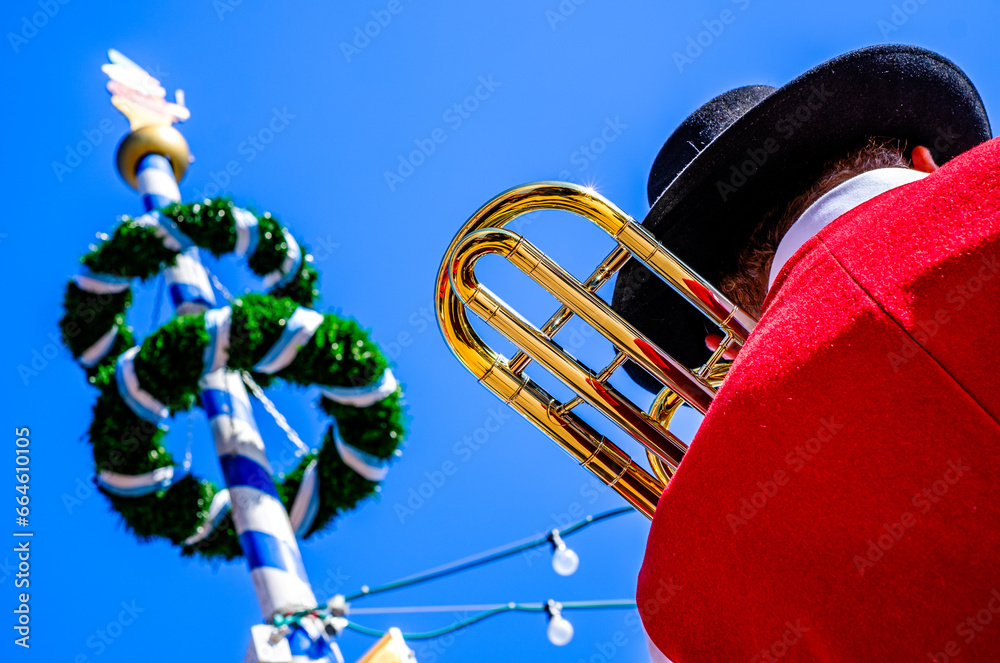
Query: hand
[712, 342]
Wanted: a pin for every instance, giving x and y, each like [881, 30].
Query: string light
[495, 555]
[564, 560]
[559, 631]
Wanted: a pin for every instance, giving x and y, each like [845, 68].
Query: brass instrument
[458, 289]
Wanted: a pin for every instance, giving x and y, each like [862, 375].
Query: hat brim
[774, 152]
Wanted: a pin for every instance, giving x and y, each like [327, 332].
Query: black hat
[755, 148]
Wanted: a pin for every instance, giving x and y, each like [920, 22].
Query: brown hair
[747, 286]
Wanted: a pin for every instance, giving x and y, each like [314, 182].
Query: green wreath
[169, 364]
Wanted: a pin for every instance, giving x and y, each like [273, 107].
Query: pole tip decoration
[142, 100]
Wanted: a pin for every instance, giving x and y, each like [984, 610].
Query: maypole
[262, 524]
[207, 357]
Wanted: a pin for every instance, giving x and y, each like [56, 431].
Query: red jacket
[841, 501]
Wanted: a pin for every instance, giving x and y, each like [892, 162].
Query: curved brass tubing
[458, 289]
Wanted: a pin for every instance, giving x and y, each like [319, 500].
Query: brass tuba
[458, 289]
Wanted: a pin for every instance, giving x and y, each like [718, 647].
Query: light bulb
[560, 631]
[564, 560]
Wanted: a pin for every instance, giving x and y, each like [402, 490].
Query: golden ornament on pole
[152, 139]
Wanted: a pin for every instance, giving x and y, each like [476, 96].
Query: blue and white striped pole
[187, 281]
[262, 524]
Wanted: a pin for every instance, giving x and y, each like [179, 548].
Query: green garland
[169, 366]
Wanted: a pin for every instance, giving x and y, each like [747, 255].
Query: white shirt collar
[838, 201]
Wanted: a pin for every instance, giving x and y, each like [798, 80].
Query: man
[840, 500]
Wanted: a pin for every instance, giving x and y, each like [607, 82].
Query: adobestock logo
[969, 629]
[957, 297]
[786, 127]
[30, 27]
[779, 648]
[714, 28]
[900, 15]
[656, 600]
[893, 532]
[465, 449]
[455, 116]
[223, 7]
[103, 638]
[943, 140]
[589, 152]
[431, 651]
[363, 35]
[75, 154]
[249, 149]
[796, 460]
[562, 13]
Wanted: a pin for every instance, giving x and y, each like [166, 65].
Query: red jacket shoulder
[846, 470]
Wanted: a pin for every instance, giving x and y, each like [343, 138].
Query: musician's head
[747, 284]
[737, 173]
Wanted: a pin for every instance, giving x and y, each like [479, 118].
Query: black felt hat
[754, 149]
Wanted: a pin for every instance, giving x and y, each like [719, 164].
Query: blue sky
[553, 79]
